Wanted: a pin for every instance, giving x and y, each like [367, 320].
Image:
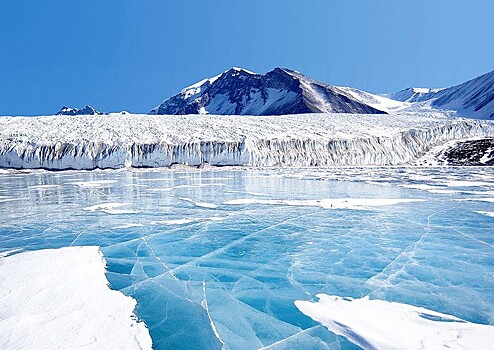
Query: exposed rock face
[471, 152]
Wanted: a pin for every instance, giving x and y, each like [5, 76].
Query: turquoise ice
[216, 258]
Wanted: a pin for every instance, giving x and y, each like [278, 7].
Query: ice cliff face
[280, 91]
[88, 110]
[472, 99]
[116, 141]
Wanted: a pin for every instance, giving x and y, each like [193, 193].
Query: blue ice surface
[228, 275]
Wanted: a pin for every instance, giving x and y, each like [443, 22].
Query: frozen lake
[218, 257]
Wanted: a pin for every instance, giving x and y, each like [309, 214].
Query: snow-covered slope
[413, 94]
[88, 142]
[472, 99]
[281, 91]
[88, 110]
[382, 103]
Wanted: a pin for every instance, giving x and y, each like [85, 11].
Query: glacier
[124, 140]
[217, 257]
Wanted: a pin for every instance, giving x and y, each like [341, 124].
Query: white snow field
[59, 298]
[380, 324]
[123, 140]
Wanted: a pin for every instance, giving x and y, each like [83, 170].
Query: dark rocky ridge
[471, 153]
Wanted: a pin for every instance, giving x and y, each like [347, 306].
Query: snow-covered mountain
[281, 91]
[413, 94]
[88, 110]
[284, 91]
[472, 99]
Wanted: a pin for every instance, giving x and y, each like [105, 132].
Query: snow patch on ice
[477, 199]
[486, 213]
[173, 222]
[42, 187]
[444, 191]
[198, 185]
[379, 324]
[185, 220]
[98, 183]
[162, 189]
[199, 204]
[6, 199]
[59, 298]
[467, 183]
[247, 193]
[111, 208]
[422, 187]
[329, 203]
[128, 226]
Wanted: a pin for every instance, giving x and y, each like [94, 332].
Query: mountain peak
[242, 70]
[280, 91]
[286, 70]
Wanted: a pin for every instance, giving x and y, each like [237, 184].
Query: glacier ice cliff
[123, 140]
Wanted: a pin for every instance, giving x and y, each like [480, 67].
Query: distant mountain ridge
[473, 99]
[281, 91]
[88, 110]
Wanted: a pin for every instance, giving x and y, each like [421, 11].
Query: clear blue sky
[130, 55]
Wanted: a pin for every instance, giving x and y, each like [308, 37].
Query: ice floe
[59, 298]
[379, 324]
